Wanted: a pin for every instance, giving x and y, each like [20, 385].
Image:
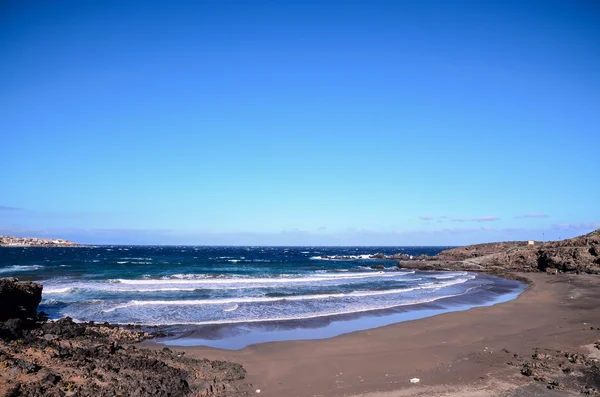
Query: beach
[478, 352]
[292, 321]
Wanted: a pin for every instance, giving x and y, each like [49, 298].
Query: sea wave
[342, 257]
[366, 274]
[260, 280]
[149, 285]
[103, 287]
[304, 317]
[60, 290]
[264, 299]
[451, 275]
[55, 302]
[20, 268]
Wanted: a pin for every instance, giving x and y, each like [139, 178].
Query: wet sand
[454, 354]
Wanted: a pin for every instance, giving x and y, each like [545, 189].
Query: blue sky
[300, 122]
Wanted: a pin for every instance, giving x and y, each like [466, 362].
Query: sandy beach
[478, 352]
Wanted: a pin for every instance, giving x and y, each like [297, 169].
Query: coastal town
[12, 241]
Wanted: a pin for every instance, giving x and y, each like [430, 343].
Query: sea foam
[353, 294]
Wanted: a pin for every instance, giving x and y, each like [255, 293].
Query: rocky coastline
[39, 357]
[63, 358]
[12, 241]
[579, 255]
[566, 371]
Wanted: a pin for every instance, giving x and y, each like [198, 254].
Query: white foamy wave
[264, 299]
[55, 290]
[182, 276]
[183, 282]
[308, 316]
[53, 302]
[365, 274]
[262, 280]
[20, 268]
[109, 288]
[450, 275]
[137, 259]
[342, 257]
[225, 301]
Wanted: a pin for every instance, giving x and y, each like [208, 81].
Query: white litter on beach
[415, 380]
[258, 390]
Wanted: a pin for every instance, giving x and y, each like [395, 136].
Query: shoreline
[235, 336]
[544, 343]
[458, 352]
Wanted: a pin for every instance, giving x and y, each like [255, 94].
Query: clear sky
[300, 122]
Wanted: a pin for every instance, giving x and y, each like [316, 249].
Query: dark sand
[453, 354]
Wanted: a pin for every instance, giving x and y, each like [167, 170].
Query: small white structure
[531, 242]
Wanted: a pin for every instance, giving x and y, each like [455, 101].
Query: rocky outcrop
[64, 358]
[18, 300]
[478, 250]
[569, 259]
[577, 255]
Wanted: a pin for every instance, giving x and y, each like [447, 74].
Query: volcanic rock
[577, 255]
[18, 299]
[64, 358]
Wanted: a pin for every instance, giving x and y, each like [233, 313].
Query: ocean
[233, 296]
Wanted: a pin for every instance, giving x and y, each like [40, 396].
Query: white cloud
[535, 215]
[486, 219]
[478, 219]
[577, 226]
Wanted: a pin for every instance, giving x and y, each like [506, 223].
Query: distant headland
[575, 255]
[12, 241]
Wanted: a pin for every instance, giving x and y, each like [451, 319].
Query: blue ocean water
[214, 286]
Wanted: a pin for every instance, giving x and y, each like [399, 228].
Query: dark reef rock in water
[64, 358]
[19, 300]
